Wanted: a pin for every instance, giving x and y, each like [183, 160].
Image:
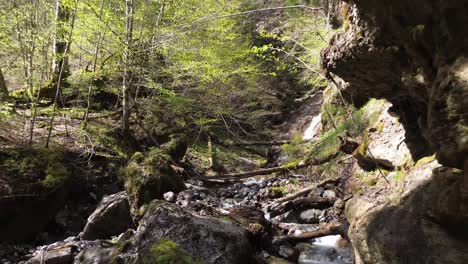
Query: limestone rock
[208, 239]
[111, 217]
[62, 255]
[425, 214]
[148, 176]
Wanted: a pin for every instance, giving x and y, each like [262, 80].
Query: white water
[324, 250]
[309, 133]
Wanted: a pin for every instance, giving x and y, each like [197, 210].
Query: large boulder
[206, 239]
[412, 53]
[33, 188]
[111, 217]
[149, 176]
[422, 217]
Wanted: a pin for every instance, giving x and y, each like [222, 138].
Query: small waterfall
[311, 129]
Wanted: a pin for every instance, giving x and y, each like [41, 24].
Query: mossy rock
[32, 170]
[148, 176]
[166, 251]
[34, 187]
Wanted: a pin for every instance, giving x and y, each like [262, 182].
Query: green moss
[166, 251]
[425, 160]
[399, 176]
[33, 169]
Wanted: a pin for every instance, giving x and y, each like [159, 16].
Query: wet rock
[329, 194]
[111, 217]
[208, 239]
[339, 204]
[288, 252]
[97, 254]
[311, 216]
[169, 196]
[62, 255]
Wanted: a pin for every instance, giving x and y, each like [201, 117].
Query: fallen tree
[333, 228]
[305, 191]
[280, 169]
[302, 203]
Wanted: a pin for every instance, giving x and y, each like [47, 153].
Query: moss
[166, 251]
[33, 169]
[276, 192]
[425, 160]
[399, 176]
[380, 127]
[148, 176]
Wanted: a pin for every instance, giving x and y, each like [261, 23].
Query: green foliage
[7, 110]
[166, 251]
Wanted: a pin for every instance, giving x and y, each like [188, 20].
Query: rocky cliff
[414, 55]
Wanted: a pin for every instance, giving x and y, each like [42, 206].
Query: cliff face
[414, 54]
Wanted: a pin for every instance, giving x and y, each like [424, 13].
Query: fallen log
[302, 203]
[305, 191]
[283, 169]
[333, 228]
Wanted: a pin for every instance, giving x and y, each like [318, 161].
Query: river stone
[208, 239]
[169, 196]
[311, 216]
[329, 194]
[62, 255]
[111, 217]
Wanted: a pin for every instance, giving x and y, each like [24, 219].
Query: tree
[129, 13]
[3, 87]
[60, 63]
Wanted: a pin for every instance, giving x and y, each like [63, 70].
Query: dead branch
[305, 191]
[302, 203]
[333, 228]
[283, 169]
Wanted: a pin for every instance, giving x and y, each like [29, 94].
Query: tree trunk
[3, 87]
[95, 57]
[129, 12]
[60, 63]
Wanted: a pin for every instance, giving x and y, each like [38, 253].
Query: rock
[97, 254]
[111, 217]
[208, 239]
[427, 212]
[148, 176]
[169, 196]
[287, 252]
[311, 216]
[62, 255]
[329, 194]
[33, 190]
[428, 88]
[339, 204]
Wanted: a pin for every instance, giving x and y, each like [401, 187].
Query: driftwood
[333, 228]
[302, 203]
[305, 191]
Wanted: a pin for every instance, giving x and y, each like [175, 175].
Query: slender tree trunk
[60, 63]
[95, 57]
[61, 73]
[3, 87]
[129, 12]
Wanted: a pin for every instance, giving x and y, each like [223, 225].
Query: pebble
[329, 194]
[169, 196]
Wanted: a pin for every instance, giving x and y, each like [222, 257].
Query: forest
[241, 131]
